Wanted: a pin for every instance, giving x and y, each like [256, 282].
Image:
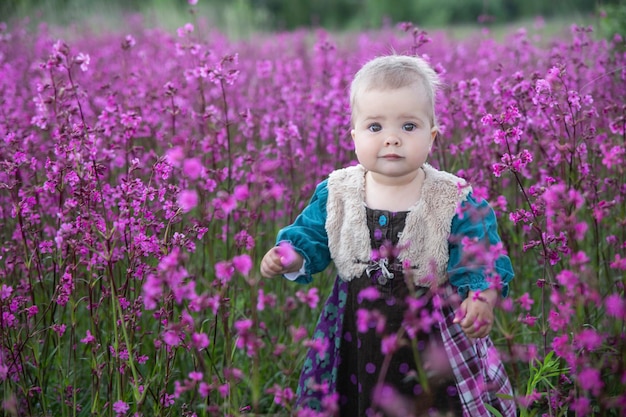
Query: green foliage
[613, 20]
[334, 14]
[542, 379]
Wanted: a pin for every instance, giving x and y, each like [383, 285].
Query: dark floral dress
[370, 383]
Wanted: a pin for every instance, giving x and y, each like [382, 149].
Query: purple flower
[192, 168]
[59, 329]
[311, 297]
[241, 192]
[615, 306]
[589, 379]
[88, 339]
[224, 271]
[5, 291]
[588, 339]
[362, 320]
[120, 407]
[187, 200]
[195, 376]
[525, 301]
[200, 340]
[172, 338]
[243, 264]
[369, 293]
[389, 344]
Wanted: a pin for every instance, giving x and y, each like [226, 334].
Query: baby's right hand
[277, 262]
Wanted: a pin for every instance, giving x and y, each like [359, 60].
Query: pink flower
[559, 318]
[59, 329]
[243, 240]
[204, 389]
[243, 326]
[243, 264]
[589, 380]
[319, 345]
[260, 303]
[287, 254]
[529, 320]
[187, 200]
[200, 340]
[83, 61]
[5, 292]
[192, 168]
[171, 338]
[224, 389]
[195, 376]
[226, 202]
[88, 339]
[588, 339]
[527, 400]
[311, 297]
[32, 311]
[224, 271]
[580, 229]
[618, 263]
[129, 41]
[525, 301]
[581, 406]
[282, 396]
[297, 333]
[369, 294]
[120, 407]
[175, 155]
[615, 306]
[66, 288]
[241, 192]
[560, 344]
[391, 402]
[152, 291]
[389, 344]
[553, 74]
[362, 320]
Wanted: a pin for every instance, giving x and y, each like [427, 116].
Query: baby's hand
[280, 260]
[476, 313]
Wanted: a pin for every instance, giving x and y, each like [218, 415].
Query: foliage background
[247, 15]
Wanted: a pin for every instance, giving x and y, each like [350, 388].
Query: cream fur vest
[424, 240]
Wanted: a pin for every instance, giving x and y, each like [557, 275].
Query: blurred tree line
[337, 14]
[369, 13]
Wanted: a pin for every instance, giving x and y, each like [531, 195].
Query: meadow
[144, 173]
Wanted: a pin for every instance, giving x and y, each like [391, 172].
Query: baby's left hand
[476, 313]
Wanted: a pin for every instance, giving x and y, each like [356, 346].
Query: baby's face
[392, 130]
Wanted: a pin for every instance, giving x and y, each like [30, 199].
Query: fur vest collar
[424, 240]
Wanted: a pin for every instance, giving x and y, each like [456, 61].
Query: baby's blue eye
[374, 127]
[409, 127]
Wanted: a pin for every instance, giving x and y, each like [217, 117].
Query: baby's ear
[352, 133]
[434, 133]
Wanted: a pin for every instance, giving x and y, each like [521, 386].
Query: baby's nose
[392, 139]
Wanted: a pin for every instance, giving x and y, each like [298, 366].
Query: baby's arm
[468, 273]
[475, 315]
[277, 262]
[302, 247]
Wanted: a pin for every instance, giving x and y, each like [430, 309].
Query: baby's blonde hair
[396, 71]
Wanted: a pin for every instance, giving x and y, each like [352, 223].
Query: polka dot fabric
[361, 361]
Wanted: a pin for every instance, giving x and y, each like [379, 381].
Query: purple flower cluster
[143, 175]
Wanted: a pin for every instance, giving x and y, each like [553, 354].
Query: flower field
[144, 174]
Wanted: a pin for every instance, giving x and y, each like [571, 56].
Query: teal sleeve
[307, 235]
[467, 270]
